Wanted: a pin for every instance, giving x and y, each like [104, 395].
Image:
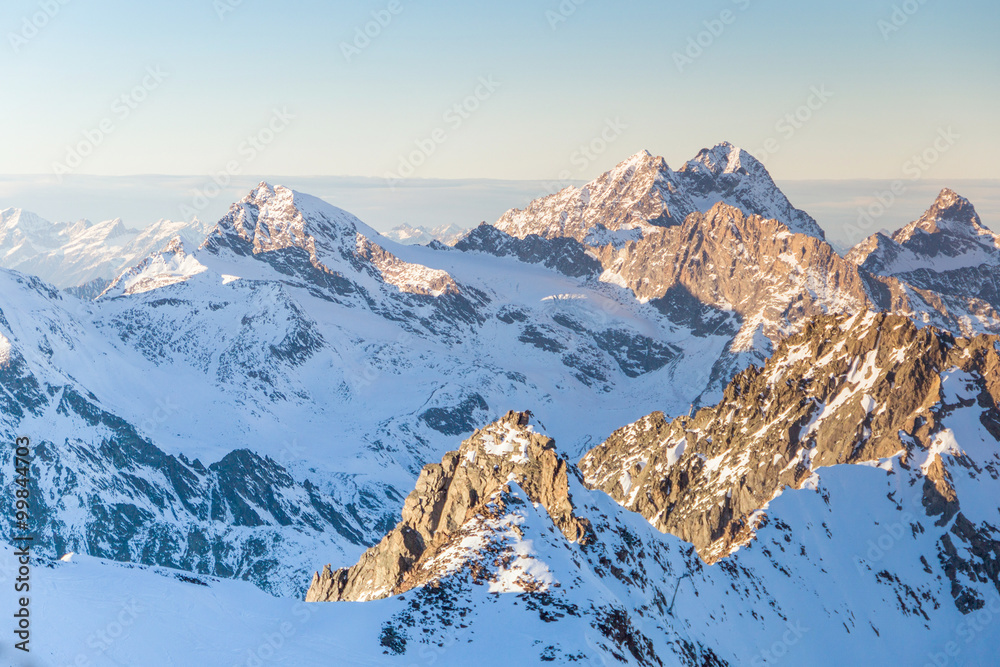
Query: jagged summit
[276, 217]
[723, 158]
[949, 237]
[82, 254]
[642, 193]
[504, 453]
[870, 389]
[951, 214]
[11, 218]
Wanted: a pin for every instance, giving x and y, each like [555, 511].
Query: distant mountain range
[407, 235]
[83, 254]
[753, 412]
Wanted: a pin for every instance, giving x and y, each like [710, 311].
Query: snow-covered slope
[713, 239]
[300, 335]
[948, 237]
[851, 569]
[299, 345]
[82, 253]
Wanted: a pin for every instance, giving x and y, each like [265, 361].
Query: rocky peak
[171, 265]
[278, 218]
[950, 214]
[713, 255]
[446, 496]
[937, 250]
[727, 173]
[643, 193]
[724, 158]
[866, 389]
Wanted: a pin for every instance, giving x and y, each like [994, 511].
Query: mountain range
[741, 446]
[83, 256]
[409, 235]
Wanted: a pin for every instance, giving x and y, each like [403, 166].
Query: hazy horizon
[143, 199]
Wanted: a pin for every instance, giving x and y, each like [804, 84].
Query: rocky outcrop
[771, 278]
[446, 496]
[946, 252]
[566, 255]
[847, 390]
[949, 235]
[643, 193]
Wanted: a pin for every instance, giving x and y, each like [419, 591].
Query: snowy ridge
[850, 568]
[298, 335]
[642, 193]
[73, 254]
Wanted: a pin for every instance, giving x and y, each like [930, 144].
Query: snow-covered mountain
[848, 489]
[258, 404]
[504, 556]
[319, 360]
[713, 241]
[949, 236]
[947, 251]
[409, 235]
[82, 254]
[643, 193]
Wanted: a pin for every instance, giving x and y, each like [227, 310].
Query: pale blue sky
[558, 87]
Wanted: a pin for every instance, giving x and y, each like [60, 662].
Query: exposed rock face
[335, 255]
[719, 236]
[118, 496]
[565, 255]
[728, 174]
[868, 388]
[773, 279]
[948, 236]
[887, 556]
[643, 192]
[947, 252]
[446, 496]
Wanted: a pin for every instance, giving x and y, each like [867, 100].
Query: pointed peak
[642, 163]
[175, 246]
[723, 158]
[23, 220]
[640, 160]
[262, 192]
[950, 213]
[949, 201]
